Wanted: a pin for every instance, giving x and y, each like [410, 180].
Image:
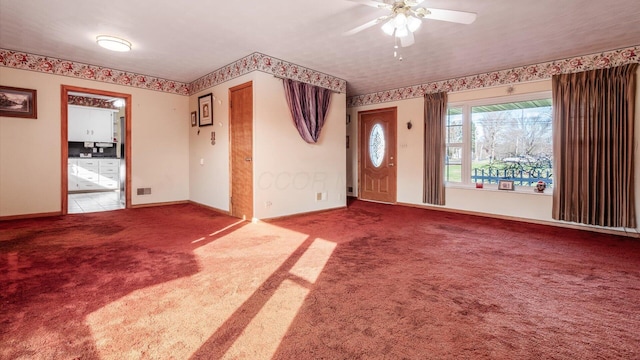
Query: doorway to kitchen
[96, 150]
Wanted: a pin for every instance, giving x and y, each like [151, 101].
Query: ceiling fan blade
[365, 26]
[373, 3]
[413, 2]
[407, 40]
[461, 17]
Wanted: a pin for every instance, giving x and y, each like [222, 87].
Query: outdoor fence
[519, 177]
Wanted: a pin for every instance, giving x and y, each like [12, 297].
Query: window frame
[466, 105]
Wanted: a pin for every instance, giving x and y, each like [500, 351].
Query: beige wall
[287, 171]
[526, 205]
[209, 164]
[30, 156]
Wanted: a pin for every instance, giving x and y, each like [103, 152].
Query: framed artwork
[18, 102]
[205, 107]
[505, 185]
[194, 118]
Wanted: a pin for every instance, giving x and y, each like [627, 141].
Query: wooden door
[241, 129]
[377, 157]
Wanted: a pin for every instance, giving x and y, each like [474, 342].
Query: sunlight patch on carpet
[311, 263]
[261, 338]
[174, 319]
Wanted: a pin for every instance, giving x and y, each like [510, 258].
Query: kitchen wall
[288, 172]
[30, 179]
[525, 205]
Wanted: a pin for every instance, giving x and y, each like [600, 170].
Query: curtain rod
[284, 78]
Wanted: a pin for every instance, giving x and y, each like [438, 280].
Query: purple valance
[308, 105]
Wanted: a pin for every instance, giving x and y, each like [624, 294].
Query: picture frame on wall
[18, 102]
[505, 185]
[205, 109]
[194, 118]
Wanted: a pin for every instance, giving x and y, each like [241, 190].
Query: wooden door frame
[64, 120]
[232, 89]
[361, 144]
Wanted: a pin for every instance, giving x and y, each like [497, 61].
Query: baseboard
[210, 208]
[525, 220]
[168, 203]
[30, 216]
[301, 214]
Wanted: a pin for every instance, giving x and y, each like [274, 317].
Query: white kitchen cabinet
[88, 176]
[93, 174]
[90, 124]
[109, 174]
[72, 174]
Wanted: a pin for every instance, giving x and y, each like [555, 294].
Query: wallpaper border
[280, 68]
[245, 65]
[270, 65]
[51, 65]
[516, 75]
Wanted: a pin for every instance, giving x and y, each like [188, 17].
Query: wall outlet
[267, 204]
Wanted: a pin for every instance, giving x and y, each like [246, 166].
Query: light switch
[201, 161]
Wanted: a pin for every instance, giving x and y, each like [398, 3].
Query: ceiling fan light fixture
[400, 20]
[413, 23]
[113, 43]
[389, 27]
[402, 32]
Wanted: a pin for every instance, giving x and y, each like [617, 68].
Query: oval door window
[377, 145]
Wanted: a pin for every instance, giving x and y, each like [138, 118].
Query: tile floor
[94, 202]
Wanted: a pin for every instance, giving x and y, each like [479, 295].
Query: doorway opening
[96, 150]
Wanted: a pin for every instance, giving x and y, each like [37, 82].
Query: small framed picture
[18, 102]
[505, 184]
[205, 107]
[194, 118]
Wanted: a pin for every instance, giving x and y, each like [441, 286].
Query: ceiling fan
[405, 18]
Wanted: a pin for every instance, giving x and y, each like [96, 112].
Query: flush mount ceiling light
[113, 43]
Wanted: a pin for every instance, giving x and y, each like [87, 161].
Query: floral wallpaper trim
[26, 61]
[253, 62]
[269, 65]
[91, 102]
[505, 77]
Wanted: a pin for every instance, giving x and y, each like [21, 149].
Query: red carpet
[370, 281]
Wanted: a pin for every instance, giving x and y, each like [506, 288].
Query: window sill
[494, 188]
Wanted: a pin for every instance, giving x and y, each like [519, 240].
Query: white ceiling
[184, 40]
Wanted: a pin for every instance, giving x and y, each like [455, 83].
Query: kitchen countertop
[95, 157]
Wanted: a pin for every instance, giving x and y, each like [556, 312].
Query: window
[377, 145]
[508, 138]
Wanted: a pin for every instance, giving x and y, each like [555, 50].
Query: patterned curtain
[435, 113]
[593, 127]
[308, 105]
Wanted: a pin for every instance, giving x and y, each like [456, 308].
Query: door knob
[391, 165]
[247, 159]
